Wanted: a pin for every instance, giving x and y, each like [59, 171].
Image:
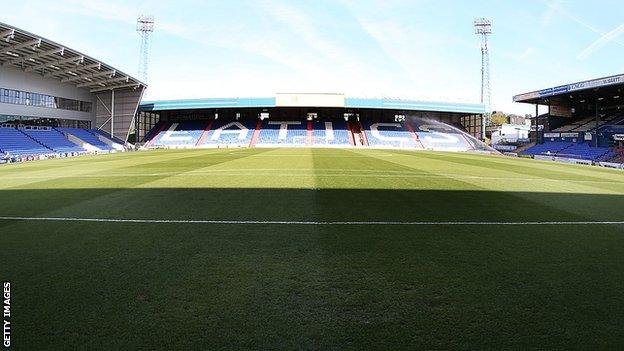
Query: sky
[416, 49]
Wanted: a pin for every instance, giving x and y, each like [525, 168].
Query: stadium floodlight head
[483, 28]
[145, 27]
[145, 23]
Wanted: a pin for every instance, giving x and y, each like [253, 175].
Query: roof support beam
[110, 73]
[133, 85]
[76, 60]
[7, 35]
[35, 43]
[37, 55]
[97, 66]
[95, 82]
[78, 70]
[32, 53]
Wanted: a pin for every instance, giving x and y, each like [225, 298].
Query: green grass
[100, 285]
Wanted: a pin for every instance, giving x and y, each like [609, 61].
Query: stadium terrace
[584, 122]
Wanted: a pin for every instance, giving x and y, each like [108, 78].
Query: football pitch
[312, 249]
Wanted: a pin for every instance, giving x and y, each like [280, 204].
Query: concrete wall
[13, 78]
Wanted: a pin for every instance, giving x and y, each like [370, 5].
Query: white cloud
[602, 41]
[556, 7]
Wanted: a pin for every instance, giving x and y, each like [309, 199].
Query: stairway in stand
[359, 137]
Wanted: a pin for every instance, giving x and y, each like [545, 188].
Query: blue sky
[409, 49]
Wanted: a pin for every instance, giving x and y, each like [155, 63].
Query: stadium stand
[576, 124]
[228, 133]
[359, 137]
[574, 149]
[283, 133]
[416, 133]
[589, 123]
[86, 136]
[615, 126]
[52, 139]
[586, 152]
[548, 148]
[14, 142]
[392, 135]
[183, 134]
[330, 133]
[435, 135]
[567, 149]
[107, 136]
[589, 126]
[618, 156]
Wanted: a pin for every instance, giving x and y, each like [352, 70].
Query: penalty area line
[318, 223]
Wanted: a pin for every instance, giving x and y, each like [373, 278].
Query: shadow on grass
[311, 205]
[164, 286]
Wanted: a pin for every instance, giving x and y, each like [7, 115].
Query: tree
[499, 118]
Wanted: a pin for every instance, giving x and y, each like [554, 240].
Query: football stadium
[301, 220]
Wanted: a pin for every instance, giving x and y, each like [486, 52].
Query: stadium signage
[505, 147]
[589, 84]
[618, 137]
[551, 135]
[527, 96]
[596, 83]
[569, 135]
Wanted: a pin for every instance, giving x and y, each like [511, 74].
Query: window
[10, 96]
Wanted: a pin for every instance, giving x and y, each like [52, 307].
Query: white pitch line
[317, 223]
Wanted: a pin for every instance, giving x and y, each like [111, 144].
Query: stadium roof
[313, 100]
[589, 90]
[33, 53]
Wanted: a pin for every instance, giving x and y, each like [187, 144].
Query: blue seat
[14, 142]
[296, 133]
[394, 135]
[321, 135]
[53, 139]
[181, 134]
[582, 151]
[228, 132]
[86, 136]
[547, 148]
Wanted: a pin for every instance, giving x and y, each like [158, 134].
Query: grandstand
[48, 141]
[58, 101]
[316, 120]
[584, 121]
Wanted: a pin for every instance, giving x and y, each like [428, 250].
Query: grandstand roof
[313, 100]
[33, 53]
[590, 90]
